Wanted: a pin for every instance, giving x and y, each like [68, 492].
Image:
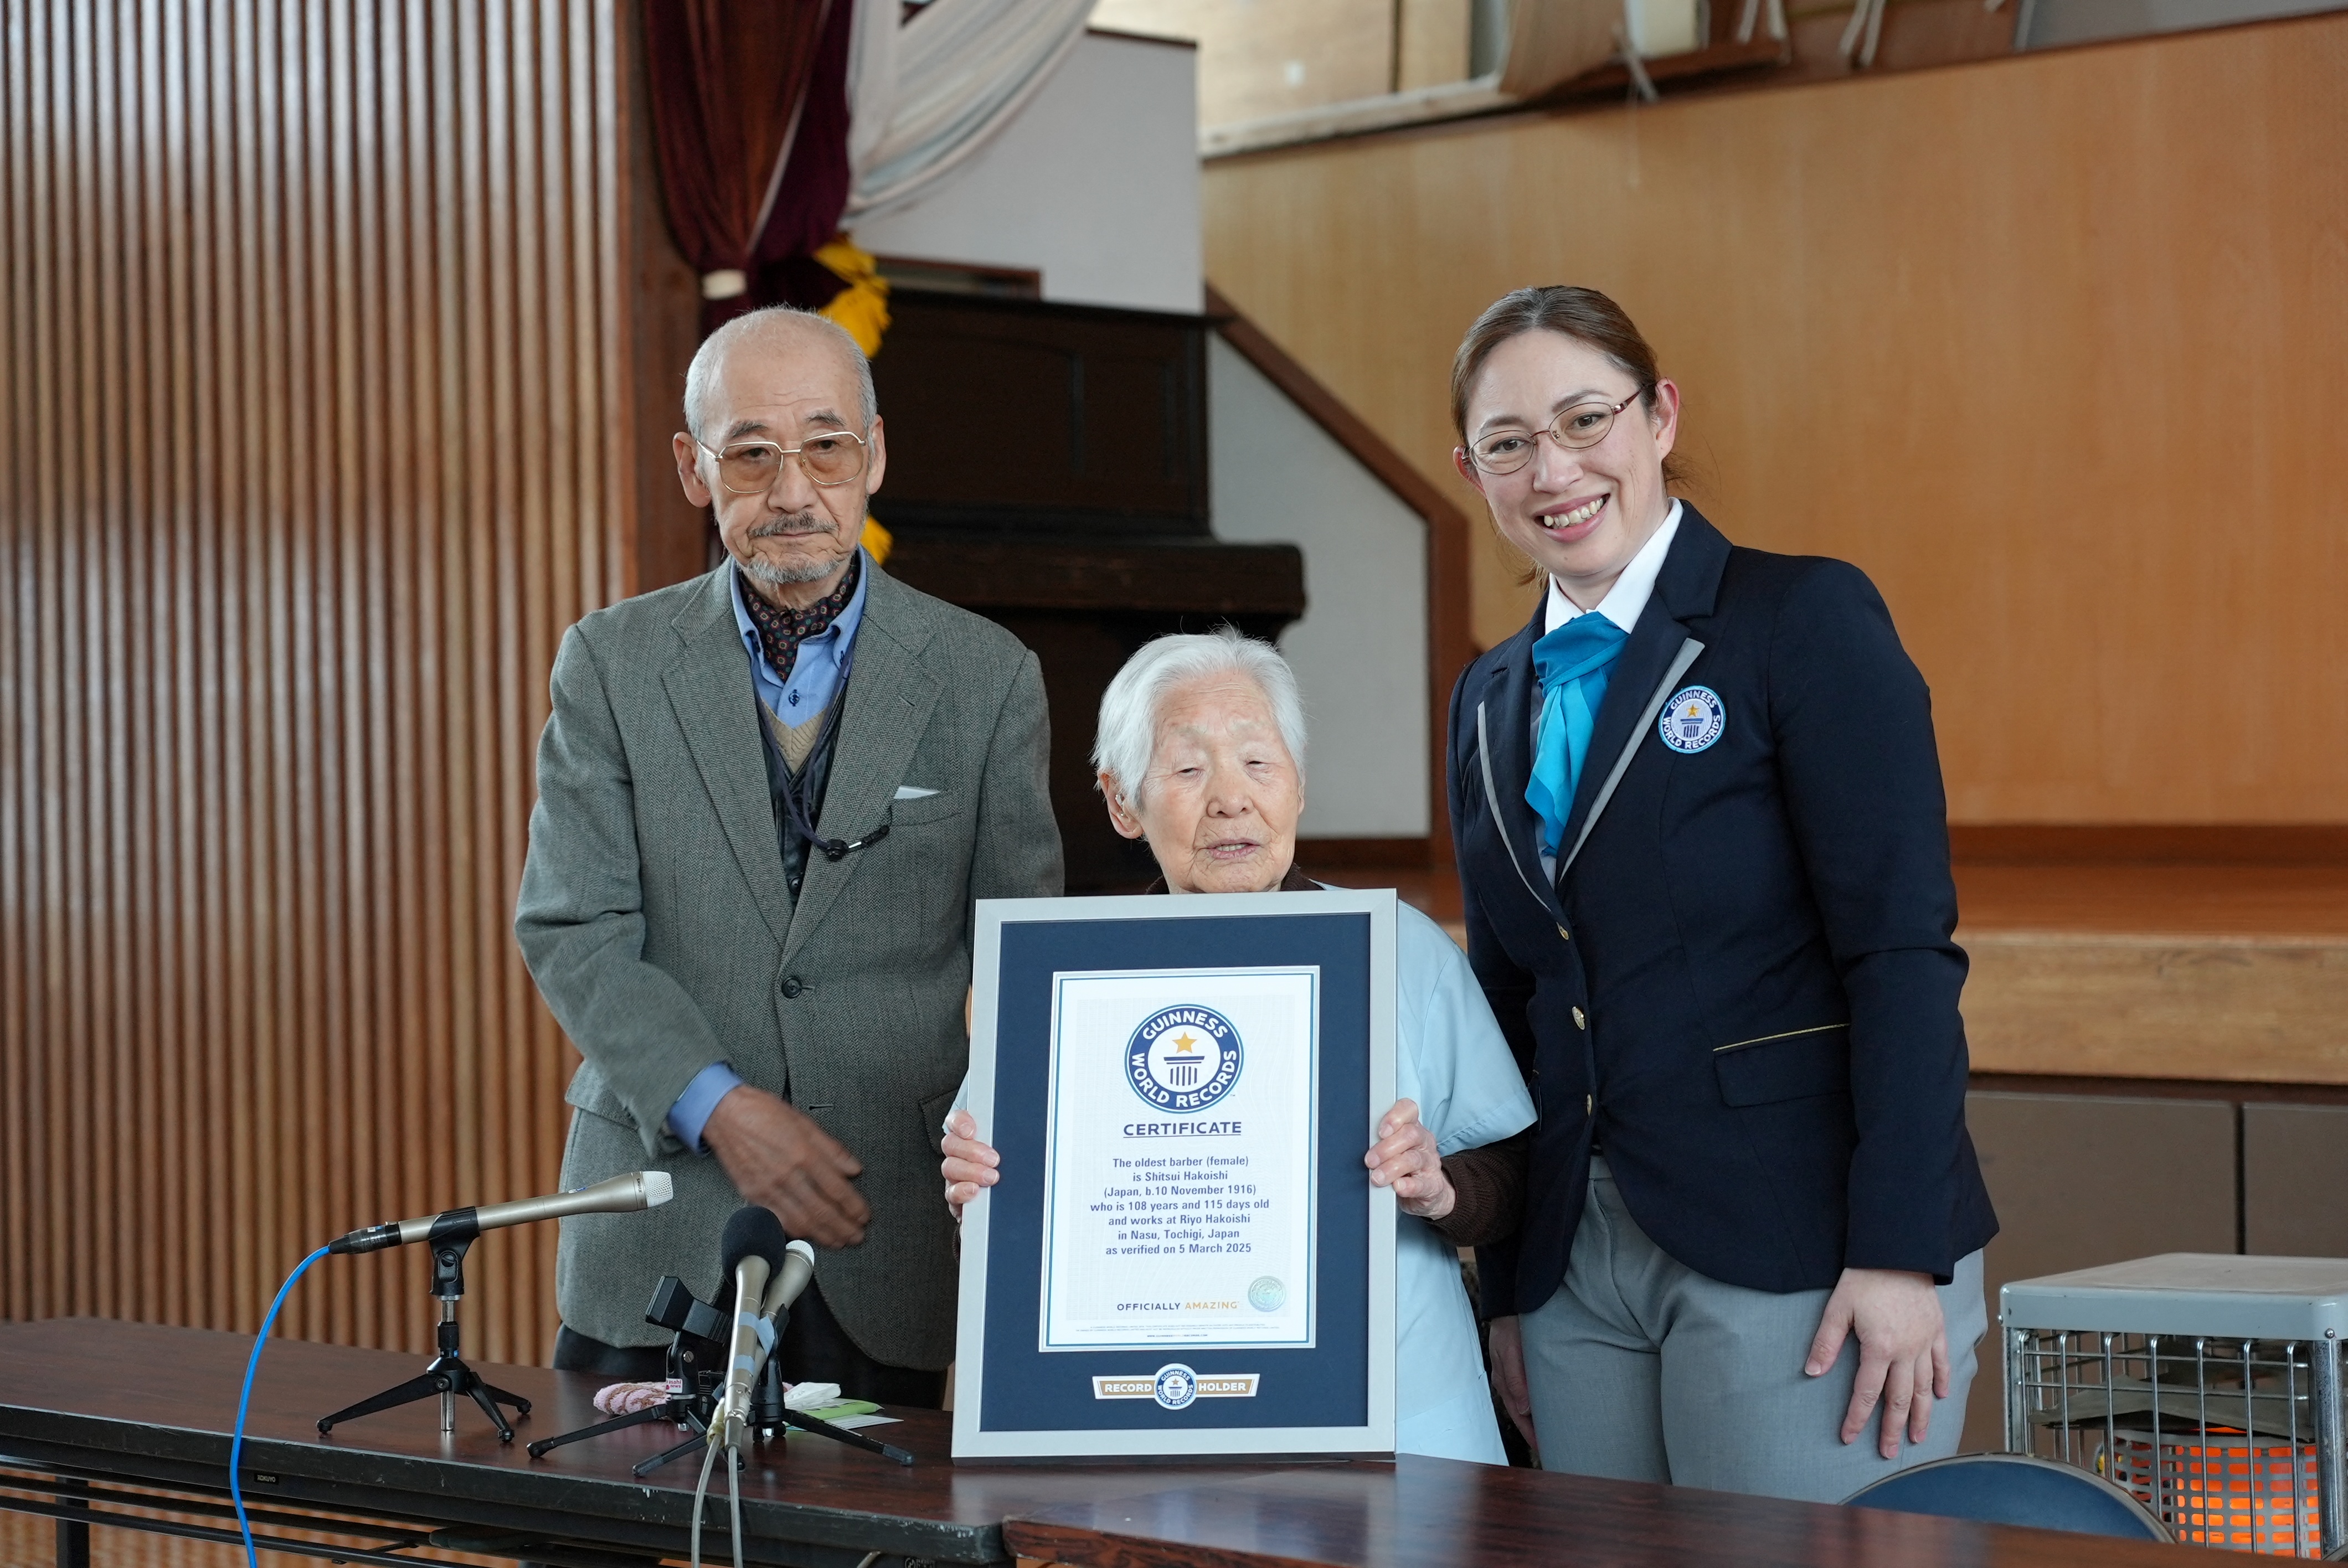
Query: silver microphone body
[621, 1195]
[799, 1267]
[749, 1348]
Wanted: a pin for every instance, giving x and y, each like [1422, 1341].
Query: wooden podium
[1048, 470]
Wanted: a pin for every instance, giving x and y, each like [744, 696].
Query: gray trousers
[1643, 1370]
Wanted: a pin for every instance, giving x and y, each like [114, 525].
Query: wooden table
[1438, 1513]
[139, 1416]
[122, 1404]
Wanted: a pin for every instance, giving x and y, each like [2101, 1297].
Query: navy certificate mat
[1014, 1399]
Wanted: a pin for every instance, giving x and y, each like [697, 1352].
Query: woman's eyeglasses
[1583, 424]
[751, 468]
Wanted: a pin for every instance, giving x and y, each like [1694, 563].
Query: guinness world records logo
[1176, 1387]
[1693, 720]
[1183, 1059]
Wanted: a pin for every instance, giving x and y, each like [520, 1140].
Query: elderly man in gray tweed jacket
[767, 798]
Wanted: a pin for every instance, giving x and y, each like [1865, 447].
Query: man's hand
[1903, 1350]
[1508, 1348]
[969, 1164]
[1405, 1158]
[779, 1158]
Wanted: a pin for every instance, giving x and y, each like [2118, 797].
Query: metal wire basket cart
[2207, 1385]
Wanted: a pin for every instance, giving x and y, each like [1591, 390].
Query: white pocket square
[913, 792]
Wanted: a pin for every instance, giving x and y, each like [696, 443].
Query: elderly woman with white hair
[1202, 752]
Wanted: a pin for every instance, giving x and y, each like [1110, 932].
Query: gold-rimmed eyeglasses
[1583, 424]
[751, 468]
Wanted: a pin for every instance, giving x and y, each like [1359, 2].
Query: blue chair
[2015, 1489]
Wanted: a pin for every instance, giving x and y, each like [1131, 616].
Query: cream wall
[1093, 183]
[1257, 59]
[2054, 346]
[1360, 649]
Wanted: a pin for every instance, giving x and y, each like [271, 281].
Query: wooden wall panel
[2294, 1168]
[2073, 1189]
[2054, 346]
[2244, 1009]
[313, 376]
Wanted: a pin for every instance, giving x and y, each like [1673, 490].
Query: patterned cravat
[1572, 662]
[780, 631]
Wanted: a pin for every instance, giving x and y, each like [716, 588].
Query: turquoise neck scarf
[1572, 662]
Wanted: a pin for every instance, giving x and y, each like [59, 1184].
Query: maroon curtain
[738, 85]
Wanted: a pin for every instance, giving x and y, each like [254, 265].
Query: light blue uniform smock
[1449, 1057]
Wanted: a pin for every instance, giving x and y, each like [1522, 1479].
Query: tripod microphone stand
[768, 1415]
[697, 1377]
[447, 1376]
[696, 1362]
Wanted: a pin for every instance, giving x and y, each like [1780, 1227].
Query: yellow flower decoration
[862, 307]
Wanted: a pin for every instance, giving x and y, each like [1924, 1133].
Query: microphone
[620, 1195]
[799, 1267]
[775, 1310]
[754, 1251]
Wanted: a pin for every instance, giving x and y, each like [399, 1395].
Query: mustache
[807, 522]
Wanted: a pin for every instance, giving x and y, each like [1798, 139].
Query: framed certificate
[1184, 1254]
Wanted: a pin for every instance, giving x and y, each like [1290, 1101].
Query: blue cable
[244, 1400]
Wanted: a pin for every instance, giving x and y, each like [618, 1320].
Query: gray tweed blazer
[654, 917]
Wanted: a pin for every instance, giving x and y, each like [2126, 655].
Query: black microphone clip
[449, 1225]
[373, 1238]
[676, 1308]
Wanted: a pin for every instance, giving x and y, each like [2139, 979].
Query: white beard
[760, 570]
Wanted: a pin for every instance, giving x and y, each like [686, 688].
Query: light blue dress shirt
[815, 674]
[814, 681]
[1452, 1060]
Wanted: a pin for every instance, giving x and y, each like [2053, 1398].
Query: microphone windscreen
[752, 1232]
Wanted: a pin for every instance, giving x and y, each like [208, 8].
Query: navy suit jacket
[1744, 981]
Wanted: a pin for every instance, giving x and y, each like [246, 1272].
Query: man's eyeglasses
[751, 468]
[1583, 424]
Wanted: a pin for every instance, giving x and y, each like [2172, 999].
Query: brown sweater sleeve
[1488, 1192]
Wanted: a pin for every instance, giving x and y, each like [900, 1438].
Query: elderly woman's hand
[1404, 1159]
[969, 1164]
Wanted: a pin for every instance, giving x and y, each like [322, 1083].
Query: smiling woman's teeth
[1580, 514]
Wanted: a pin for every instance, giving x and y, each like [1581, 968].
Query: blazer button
[791, 987]
[1579, 1021]
[1563, 934]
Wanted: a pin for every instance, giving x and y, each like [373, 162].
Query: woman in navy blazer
[1700, 834]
